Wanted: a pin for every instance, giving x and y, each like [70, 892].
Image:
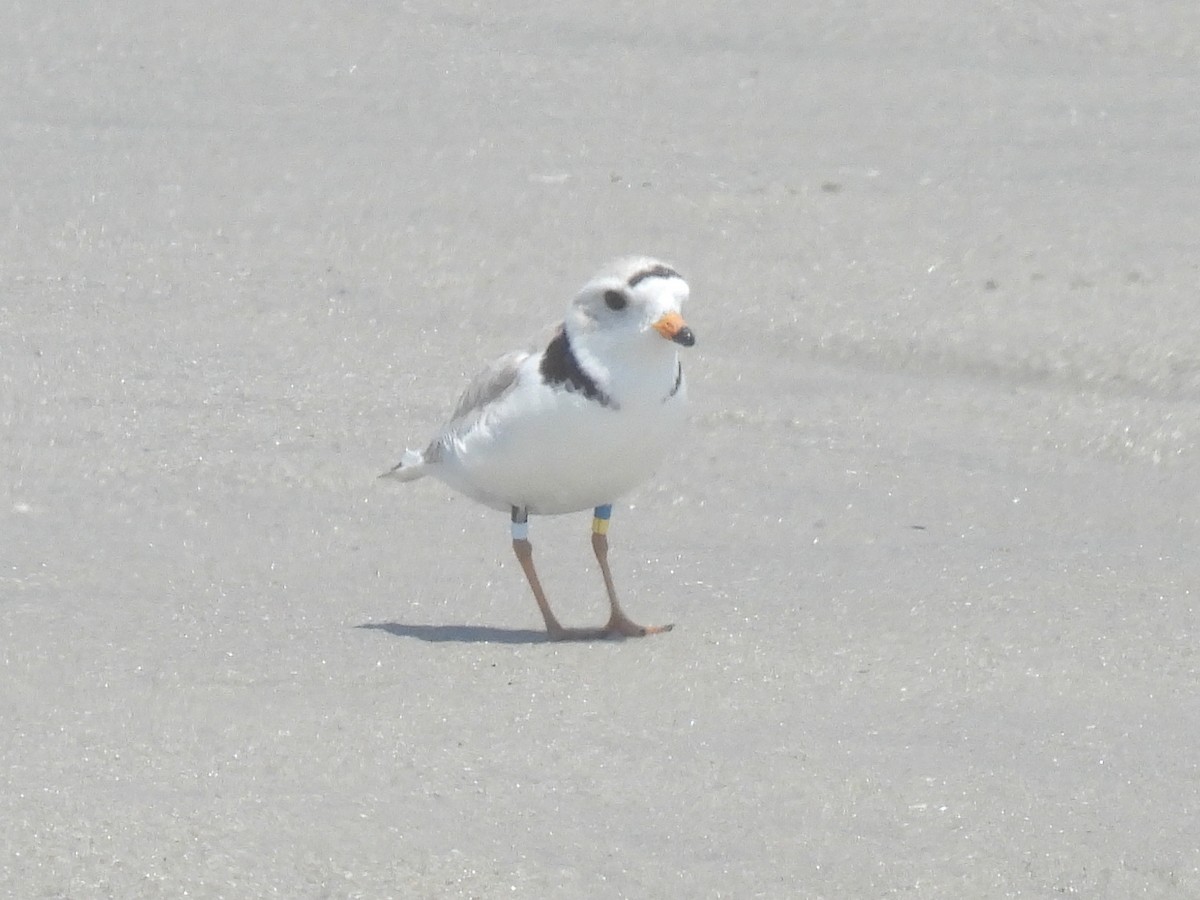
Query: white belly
[559, 452]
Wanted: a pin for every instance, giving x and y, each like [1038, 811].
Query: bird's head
[632, 301]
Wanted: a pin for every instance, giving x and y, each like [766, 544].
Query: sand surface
[930, 545]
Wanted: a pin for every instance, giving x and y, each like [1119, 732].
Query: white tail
[410, 468]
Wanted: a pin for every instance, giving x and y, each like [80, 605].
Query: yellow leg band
[599, 526]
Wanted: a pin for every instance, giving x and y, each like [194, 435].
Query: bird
[582, 415]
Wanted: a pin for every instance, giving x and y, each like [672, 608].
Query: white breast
[555, 451]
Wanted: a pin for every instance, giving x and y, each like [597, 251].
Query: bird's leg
[524, 551]
[618, 622]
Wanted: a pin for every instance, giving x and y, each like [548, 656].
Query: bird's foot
[620, 624]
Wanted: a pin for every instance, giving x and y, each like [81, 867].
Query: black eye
[615, 300]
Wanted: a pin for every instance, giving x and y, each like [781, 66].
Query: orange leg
[524, 551]
[618, 622]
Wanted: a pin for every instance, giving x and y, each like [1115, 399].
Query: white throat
[641, 371]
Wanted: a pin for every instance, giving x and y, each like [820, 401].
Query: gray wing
[486, 388]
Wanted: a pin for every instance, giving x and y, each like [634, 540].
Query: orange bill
[673, 328]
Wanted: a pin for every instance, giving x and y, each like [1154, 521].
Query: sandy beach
[929, 544]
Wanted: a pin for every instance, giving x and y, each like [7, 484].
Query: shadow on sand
[463, 634]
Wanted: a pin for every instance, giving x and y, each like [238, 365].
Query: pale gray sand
[930, 547]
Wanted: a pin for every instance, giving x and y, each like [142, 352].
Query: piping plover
[580, 418]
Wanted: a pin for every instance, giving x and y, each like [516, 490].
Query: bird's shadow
[461, 634]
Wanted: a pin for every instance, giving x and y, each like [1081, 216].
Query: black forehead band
[653, 272]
